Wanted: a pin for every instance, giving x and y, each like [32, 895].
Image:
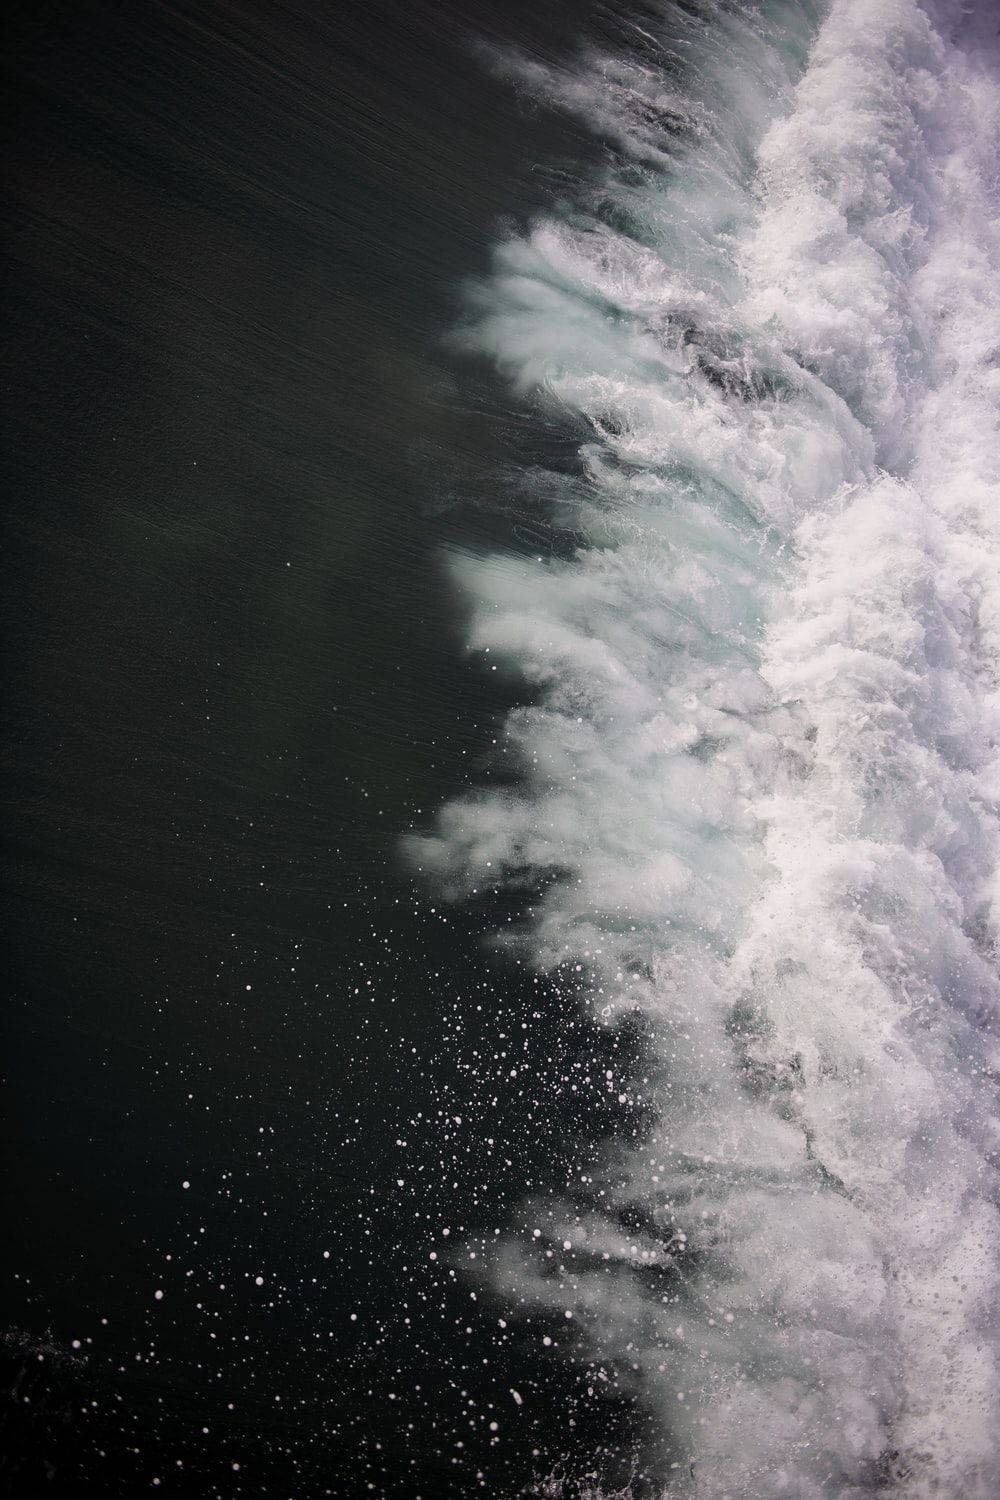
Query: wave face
[761, 765]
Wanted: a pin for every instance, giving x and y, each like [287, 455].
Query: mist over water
[758, 761]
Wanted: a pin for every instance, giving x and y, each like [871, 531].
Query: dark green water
[235, 450]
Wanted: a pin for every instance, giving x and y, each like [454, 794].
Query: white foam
[766, 756]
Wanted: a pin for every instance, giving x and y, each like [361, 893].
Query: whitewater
[759, 750]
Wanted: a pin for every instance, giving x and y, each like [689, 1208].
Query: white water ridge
[762, 771]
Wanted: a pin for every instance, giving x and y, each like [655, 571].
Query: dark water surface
[235, 449]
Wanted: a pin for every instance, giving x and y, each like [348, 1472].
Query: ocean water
[755, 806]
[504, 750]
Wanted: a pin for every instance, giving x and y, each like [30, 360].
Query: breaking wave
[760, 766]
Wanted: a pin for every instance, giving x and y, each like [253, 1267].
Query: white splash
[765, 764]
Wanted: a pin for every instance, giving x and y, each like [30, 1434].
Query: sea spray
[760, 774]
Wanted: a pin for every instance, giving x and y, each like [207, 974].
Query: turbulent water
[760, 755]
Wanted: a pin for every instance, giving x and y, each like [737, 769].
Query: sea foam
[761, 768]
